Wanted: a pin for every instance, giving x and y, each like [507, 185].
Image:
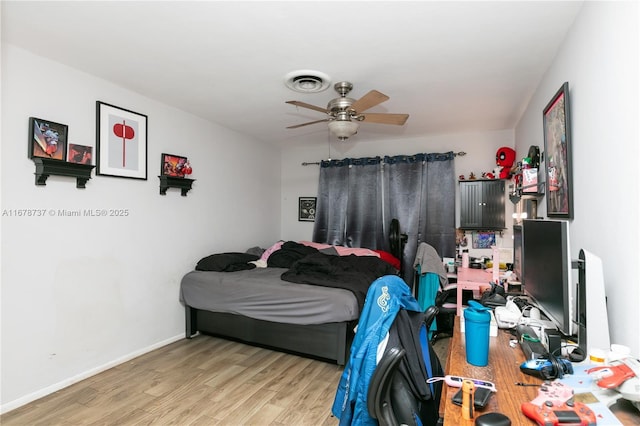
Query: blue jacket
[385, 297]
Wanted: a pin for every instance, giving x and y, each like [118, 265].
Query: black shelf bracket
[184, 184]
[46, 167]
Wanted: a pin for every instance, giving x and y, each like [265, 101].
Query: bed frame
[329, 342]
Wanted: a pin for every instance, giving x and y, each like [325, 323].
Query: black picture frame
[172, 165]
[47, 139]
[307, 209]
[557, 154]
[121, 142]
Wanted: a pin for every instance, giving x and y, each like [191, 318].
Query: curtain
[349, 208]
[357, 198]
[420, 193]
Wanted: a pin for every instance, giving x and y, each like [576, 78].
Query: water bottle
[477, 321]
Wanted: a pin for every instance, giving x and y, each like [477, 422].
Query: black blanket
[354, 273]
[226, 262]
[288, 254]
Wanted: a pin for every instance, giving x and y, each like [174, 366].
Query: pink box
[530, 180]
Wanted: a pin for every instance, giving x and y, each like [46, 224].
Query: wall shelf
[166, 182]
[46, 167]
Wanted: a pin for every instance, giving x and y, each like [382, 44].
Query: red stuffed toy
[505, 157]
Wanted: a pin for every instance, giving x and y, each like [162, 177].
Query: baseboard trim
[12, 405]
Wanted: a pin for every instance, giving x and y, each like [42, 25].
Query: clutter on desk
[494, 296]
[468, 390]
[493, 419]
[619, 374]
[598, 399]
[493, 324]
[555, 404]
[480, 397]
[477, 320]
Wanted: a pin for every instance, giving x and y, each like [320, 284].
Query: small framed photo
[80, 154]
[47, 139]
[121, 143]
[173, 165]
[307, 209]
[483, 240]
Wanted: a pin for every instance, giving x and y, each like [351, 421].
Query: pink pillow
[346, 251]
[318, 246]
[271, 249]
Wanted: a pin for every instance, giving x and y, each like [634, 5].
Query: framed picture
[173, 165]
[47, 139]
[121, 142]
[80, 154]
[483, 240]
[557, 157]
[307, 209]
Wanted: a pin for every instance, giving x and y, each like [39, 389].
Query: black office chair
[446, 301]
[394, 391]
[379, 403]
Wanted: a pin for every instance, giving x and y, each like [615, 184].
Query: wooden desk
[504, 371]
[471, 279]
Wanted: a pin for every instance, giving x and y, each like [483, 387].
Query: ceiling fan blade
[306, 124]
[383, 118]
[369, 100]
[305, 105]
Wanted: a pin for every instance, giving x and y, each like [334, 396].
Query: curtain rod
[317, 163]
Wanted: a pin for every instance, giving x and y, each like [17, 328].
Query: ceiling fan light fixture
[307, 81]
[343, 129]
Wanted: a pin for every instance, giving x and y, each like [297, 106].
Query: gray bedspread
[261, 294]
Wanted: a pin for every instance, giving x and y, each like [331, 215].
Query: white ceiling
[453, 66]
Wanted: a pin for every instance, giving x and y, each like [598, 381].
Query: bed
[306, 303]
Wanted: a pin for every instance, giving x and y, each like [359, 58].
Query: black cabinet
[482, 204]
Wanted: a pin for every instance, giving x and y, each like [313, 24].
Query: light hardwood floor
[202, 381]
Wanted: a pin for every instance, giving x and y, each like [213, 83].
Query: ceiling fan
[344, 114]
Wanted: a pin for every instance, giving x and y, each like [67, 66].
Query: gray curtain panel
[349, 207]
[420, 193]
[357, 198]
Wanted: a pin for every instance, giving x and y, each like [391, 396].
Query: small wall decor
[174, 165]
[484, 240]
[557, 157]
[80, 154]
[121, 143]
[307, 209]
[47, 139]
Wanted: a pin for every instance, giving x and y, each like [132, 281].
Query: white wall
[302, 181]
[80, 294]
[599, 59]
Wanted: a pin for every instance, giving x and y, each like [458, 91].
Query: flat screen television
[546, 268]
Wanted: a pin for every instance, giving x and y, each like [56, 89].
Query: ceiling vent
[307, 81]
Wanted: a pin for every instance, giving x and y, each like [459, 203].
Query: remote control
[549, 414]
[554, 406]
[555, 392]
[545, 369]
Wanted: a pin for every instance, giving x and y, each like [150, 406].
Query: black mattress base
[330, 342]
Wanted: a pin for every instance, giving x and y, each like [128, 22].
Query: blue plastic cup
[477, 321]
